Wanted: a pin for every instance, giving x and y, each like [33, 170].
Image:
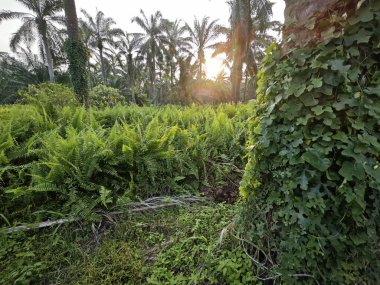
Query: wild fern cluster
[75, 162]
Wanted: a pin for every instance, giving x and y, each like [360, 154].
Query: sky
[123, 10]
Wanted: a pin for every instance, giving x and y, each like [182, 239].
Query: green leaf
[372, 90]
[350, 169]
[318, 110]
[315, 159]
[340, 136]
[317, 82]
[308, 100]
[338, 65]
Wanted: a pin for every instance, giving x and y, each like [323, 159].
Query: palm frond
[10, 15]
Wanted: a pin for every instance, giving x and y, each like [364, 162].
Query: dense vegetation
[70, 161]
[313, 178]
[143, 192]
[179, 246]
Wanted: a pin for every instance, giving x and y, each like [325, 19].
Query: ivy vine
[78, 56]
[312, 185]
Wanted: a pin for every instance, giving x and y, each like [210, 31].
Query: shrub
[311, 186]
[49, 96]
[103, 96]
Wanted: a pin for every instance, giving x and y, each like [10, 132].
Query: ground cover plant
[57, 161]
[174, 246]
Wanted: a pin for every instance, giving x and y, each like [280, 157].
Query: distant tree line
[162, 64]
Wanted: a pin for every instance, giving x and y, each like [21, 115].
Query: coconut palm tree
[39, 23]
[151, 44]
[176, 43]
[101, 32]
[202, 34]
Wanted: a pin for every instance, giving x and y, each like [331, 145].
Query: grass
[174, 246]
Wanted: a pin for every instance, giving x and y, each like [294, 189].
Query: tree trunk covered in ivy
[311, 185]
[76, 53]
[309, 22]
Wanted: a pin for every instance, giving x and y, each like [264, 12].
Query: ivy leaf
[340, 136]
[338, 65]
[317, 82]
[308, 100]
[314, 159]
[331, 79]
[372, 90]
[318, 110]
[304, 120]
[350, 169]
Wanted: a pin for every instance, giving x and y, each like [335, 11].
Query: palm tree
[243, 34]
[176, 44]
[130, 44]
[101, 33]
[40, 21]
[77, 53]
[202, 34]
[151, 44]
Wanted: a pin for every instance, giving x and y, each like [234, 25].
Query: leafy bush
[103, 96]
[312, 183]
[49, 96]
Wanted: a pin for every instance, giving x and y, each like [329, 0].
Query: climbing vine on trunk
[311, 187]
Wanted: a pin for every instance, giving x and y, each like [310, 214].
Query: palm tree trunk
[49, 58]
[77, 55]
[236, 76]
[241, 29]
[200, 65]
[153, 76]
[245, 86]
[104, 76]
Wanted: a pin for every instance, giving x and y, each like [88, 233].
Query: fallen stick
[154, 203]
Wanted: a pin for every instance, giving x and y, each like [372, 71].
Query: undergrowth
[176, 246]
[72, 161]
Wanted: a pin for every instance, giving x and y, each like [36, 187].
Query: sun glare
[214, 66]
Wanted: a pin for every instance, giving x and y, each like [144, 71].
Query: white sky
[123, 10]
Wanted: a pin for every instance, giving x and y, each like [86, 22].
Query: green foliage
[313, 178]
[194, 255]
[16, 75]
[103, 96]
[176, 246]
[82, 160]
[49, 97]
[78, 56]
[18, 263]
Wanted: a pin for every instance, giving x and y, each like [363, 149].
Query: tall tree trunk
[153, 76]
[77, 54]
[102, 67]
[48, 56]
[131, 75]
[241, 30]
[245, 86]
[200, 59]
